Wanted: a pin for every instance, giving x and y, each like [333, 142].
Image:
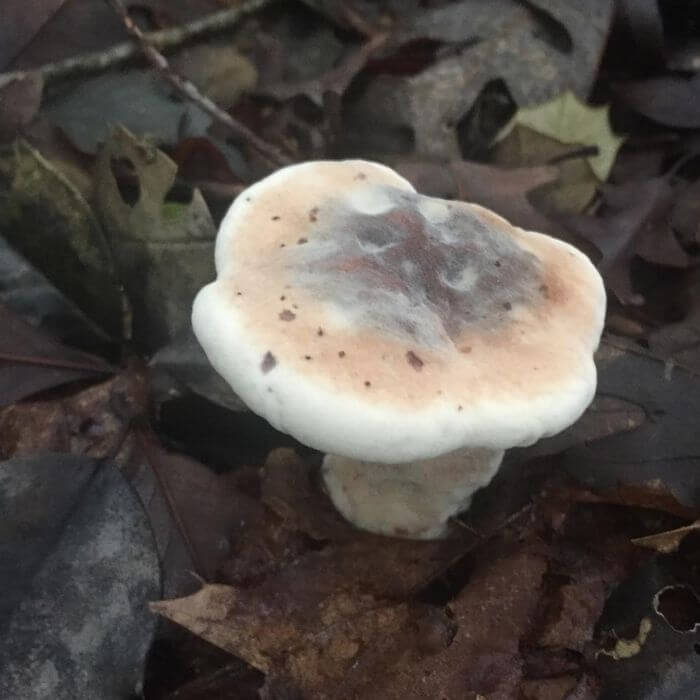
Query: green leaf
[569, 121]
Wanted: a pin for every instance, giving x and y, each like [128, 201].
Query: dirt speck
[269, 362]
[287, 315]
[414, 361]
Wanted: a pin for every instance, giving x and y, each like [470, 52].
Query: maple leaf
[634, 222]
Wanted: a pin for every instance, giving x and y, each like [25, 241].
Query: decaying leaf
[88, 113]
[340, 619]
[163, 241]
[665, 446]
[77, 567]
[182, 365]
[635, 222]
[642, 654]
[504, 190]
[685, 218]
[21, 26]
[218, 70]
[679, 342]
[336, 80]
[92, 421]
[207, 507]
[568, 120]
[669, 541]
[511, 48]
[19, 103]
[670, 100]
[347, 15]
[552, 133]
[49, 222]
[31, 361]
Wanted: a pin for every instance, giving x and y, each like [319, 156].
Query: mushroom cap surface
[370, 321]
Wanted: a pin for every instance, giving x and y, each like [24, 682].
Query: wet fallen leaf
[335, 80]
[347, 15]
[566, 132]
[31, 361]
[634, 222]
[669, 100]
[642, 655]
[669, 541]
[568, 120]
[20, 26]
[510, 48]
[679, 342]
[206, 507]
[665, 446]
[349, 556]
[329, 620]
[19, 103]
[88, 113]
[182, 365]
[218, 69]
[77, 567]
[49, 222]
[163, 241]
[305, 637]
[685, 217]
[502, 189]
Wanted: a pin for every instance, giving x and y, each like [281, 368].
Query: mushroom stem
[414, 499]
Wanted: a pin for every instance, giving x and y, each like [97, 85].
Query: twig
[120, 53]
[191, 92]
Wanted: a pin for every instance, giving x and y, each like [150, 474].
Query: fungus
[477, 335]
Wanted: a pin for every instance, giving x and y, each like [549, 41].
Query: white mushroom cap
[372, 322]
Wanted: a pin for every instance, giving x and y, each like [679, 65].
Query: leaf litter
[574, 574]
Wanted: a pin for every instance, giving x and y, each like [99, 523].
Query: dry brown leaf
[669, 541]
[300, 633]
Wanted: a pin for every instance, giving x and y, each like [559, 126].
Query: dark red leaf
[502, 189]
[31, 361]
[19, 103]
[634, 222]
[21, 20]
[669, 100]
[641, 21]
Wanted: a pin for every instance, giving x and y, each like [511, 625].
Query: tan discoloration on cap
[533, 349]
[385, 308]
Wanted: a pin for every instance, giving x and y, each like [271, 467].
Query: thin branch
[120, 53]
[189, 91]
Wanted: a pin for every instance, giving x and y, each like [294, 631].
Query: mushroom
[410, 338]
